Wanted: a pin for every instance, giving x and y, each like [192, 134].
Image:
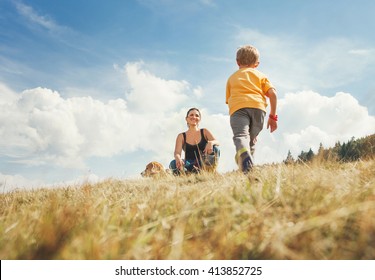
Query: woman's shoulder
[181, 135]
[204, 132]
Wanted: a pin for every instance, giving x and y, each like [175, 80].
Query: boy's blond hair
[247, 55]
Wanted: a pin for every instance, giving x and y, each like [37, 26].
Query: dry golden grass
[320, 211]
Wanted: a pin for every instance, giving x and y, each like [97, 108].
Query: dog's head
[154, 168]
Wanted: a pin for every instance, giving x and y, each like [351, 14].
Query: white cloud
[210, 3]
[362, 52]
[31, 15]
[180, 8]
[340, 114]
[7, 95]
[39, 127]
[308, 119]
[147, 90]
[13, 182]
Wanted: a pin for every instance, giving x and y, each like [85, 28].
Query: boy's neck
[246, 66]
[255, 65]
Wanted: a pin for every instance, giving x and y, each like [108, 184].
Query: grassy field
[318, 211]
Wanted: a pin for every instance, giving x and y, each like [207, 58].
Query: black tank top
[192, 152]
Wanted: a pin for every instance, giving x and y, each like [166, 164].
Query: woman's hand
[178, 150]
[211, 142]
[209, 148]
[179, 163]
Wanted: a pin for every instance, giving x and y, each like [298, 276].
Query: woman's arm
[178, 151]
[211, 141]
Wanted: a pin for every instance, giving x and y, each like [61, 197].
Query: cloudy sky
[97, 89]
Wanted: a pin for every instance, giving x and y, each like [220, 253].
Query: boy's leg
[246, 124]
[257, 122]
[240, 122]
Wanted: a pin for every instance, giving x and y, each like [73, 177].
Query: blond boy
[246, 95]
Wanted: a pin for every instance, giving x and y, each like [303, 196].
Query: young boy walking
[246, 95]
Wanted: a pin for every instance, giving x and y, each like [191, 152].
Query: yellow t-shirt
[246, 88]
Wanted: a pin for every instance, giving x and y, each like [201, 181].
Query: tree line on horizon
[352, 150]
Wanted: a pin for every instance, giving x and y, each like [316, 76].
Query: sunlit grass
[317, 211]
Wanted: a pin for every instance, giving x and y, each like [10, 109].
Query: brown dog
[154, 169]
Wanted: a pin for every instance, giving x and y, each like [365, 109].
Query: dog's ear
[159, 166]
[152, 167]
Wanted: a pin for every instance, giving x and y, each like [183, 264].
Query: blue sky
[96, 89]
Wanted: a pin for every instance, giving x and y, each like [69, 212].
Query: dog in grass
[154, 169]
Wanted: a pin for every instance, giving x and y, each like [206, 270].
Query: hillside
[352, 150]
[296, 211]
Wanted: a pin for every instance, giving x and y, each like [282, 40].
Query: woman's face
[193, 117]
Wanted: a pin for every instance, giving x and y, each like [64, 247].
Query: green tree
[306, 156]
[289, 158]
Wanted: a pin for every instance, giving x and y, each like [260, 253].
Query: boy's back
[246, 88]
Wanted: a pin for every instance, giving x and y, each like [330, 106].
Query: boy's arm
[272, 121]
[227, 94]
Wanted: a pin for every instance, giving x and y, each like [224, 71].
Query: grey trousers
[246, 124]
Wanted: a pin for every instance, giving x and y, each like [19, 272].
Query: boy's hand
[272, 125]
